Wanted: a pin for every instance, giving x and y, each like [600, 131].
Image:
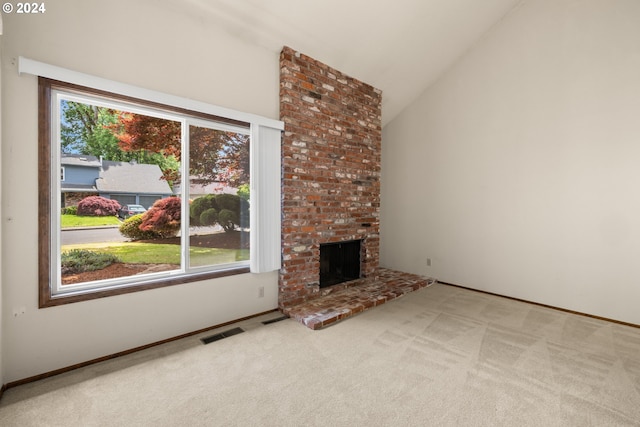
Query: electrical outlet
[261, 292]
[428, 262]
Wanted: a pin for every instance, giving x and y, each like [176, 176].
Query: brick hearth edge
[362, 294]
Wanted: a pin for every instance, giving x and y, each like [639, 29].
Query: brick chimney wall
[331, 170]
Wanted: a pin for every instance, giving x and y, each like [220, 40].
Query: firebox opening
[339, 262]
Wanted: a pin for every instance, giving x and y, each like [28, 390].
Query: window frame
[47, 295]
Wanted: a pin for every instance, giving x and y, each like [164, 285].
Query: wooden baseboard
[2, 389]
[619, 322]
[122, 353]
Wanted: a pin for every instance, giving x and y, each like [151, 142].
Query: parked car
[127, 211]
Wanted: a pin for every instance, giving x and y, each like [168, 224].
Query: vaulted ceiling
[399, 46]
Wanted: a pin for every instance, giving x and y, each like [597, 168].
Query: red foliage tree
[215, 155]
[97, 206]
[139, 132]
[163, 217]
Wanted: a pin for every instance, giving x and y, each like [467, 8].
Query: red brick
[331, 163]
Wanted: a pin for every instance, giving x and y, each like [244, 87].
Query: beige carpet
[440, 356]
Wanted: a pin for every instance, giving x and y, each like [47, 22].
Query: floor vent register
[222, 335]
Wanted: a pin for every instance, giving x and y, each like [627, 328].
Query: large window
[150, 194]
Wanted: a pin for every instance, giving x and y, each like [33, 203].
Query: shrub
[79, 260]
[229, 215]
[228, 219]
[228, 201]
[208, 217]
[97, 206]
[230, 211]
[200, 205]
[70, 210]
[131, 228]
[163, 217]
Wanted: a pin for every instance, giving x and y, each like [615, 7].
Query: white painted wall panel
[517, 172]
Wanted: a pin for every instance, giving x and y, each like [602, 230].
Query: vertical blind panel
[265, 199]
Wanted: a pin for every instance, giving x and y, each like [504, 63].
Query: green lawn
[68, 221]
[153, 253]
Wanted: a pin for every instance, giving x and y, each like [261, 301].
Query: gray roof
[79, 160]
[77, 188]
[125, 177]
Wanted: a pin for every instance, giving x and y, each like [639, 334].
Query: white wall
[146, 43]
[518, 172]
[1, 215]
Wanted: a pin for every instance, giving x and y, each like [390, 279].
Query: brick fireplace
[331, 171]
